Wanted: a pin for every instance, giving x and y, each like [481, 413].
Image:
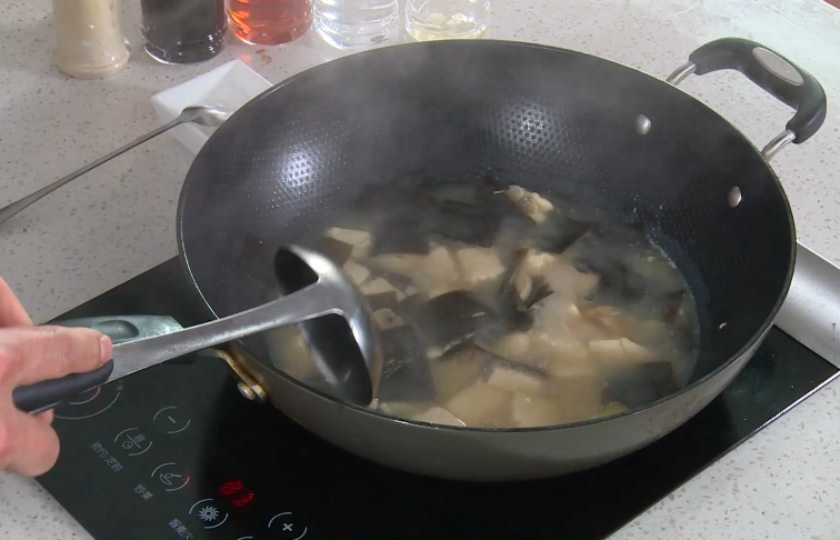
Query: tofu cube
[379, 286]
[514, 381]
[578, 390]
[556, 344]
[357, 273]
[456, 371]
[478, 265]
[611, 408]
[403, 264]
[438, 415]
[513, 346]
[401, 409]
[360, 240]
[348, 236]
[437, 273]
[480, 405]
[385, 319]
[532, 411]
[534, 262]
[622, 351]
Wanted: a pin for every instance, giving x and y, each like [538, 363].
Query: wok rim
[754, 341]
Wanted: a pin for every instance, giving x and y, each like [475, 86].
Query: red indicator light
[242, 500]
[237, 494]
[229, 488]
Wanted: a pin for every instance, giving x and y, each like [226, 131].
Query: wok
[559, 122]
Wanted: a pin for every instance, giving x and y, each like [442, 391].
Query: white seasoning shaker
[89, 40]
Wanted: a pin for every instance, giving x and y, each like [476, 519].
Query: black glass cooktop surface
[176, 452]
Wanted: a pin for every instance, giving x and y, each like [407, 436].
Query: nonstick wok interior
[556, 122]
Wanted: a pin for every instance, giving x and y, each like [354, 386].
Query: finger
[12, 312]
[46, 417]
[49, 352]
[32, 448]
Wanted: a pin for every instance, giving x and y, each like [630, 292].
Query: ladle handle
[12, 209]
[43, 395]
[300, 306]
[40, 396]
[131, 356]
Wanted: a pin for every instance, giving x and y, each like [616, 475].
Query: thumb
[39, 353]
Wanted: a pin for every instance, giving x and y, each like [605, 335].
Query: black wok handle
[45, 395]
[772, 72]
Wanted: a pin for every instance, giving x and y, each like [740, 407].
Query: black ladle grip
[45, 395]
[772, 72]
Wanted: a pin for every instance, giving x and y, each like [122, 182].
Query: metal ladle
[333, 317]
[203, 116]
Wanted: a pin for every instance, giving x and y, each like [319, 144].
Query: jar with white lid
[89, 40]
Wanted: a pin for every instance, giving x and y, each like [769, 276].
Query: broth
[497, 308]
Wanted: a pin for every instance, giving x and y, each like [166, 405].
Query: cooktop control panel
[155, 459]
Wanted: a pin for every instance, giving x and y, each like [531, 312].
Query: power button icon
[286, 527]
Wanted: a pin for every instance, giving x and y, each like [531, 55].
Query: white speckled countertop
[119, 221]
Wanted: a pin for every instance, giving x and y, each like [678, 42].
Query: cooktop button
[90, 403]
[285, 527]
[133, 441]
[171, 420]
[170, 476]
[209, 514]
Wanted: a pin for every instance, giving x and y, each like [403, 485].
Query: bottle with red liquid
[269, 22]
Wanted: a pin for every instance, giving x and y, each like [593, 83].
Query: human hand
[28, 354]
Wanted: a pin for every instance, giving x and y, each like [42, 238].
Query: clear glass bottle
[89, 40]
[269, 22]
[427, 20]
[356, 24]
[183, 31]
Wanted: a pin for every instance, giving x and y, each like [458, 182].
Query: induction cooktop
[176, 451]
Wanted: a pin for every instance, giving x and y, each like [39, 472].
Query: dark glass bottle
[183, 31]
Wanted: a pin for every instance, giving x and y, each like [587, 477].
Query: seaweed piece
[405, 371]
[617, 284]
[639, 384]
[495, 359]
[451, 319]
[516, 309]
[540, 290]
[335, 250]
[465, 223]
[407, 189]
[401, 235]
[559, 234]
[399, 281]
